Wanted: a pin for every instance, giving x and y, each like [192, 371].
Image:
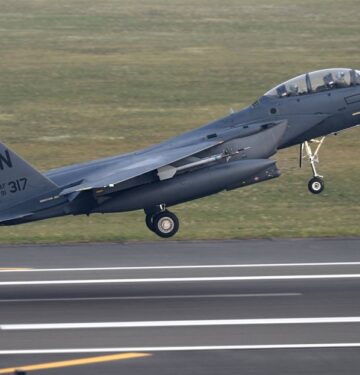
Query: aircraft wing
[137, 164]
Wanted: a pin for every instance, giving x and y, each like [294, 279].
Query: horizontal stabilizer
[9, 217]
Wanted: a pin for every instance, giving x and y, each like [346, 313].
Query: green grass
[83, 79]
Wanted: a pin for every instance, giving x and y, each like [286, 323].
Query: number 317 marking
[17, 185]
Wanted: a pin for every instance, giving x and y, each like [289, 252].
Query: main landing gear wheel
[316, 185]
[165, 224]
[149, 222]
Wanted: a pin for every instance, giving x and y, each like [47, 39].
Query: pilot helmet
[294, 89]
[340, 76]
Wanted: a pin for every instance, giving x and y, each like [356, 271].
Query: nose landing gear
[164, 223]
[316, 185]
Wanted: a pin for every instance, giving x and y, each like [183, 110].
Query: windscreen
[293, 87]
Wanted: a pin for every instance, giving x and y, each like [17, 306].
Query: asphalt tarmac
[229, 307]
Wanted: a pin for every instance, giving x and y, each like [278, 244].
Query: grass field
[83, 79]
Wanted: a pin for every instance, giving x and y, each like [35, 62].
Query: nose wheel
[165, 224]
[316, 185]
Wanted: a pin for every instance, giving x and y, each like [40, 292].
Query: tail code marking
[5, 160]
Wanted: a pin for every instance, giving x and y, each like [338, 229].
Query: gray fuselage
[246, 140]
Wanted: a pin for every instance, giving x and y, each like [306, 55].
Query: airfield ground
[261, 307]
[81, 80]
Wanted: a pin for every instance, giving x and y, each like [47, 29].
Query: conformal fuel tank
[192, 185]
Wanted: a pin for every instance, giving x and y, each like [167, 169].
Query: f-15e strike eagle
[226, 154]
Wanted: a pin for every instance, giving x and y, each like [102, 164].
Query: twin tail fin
[19, 181]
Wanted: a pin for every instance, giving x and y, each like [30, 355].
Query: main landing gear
[316, 185]
[164, 223]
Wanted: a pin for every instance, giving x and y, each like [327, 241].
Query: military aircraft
[226, 154]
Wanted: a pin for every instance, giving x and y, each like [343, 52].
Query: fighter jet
[226, 154]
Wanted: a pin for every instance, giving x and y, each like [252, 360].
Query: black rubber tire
[160, 222]
[149, 220]
[316, 185]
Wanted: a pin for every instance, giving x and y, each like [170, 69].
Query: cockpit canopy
[321, 80]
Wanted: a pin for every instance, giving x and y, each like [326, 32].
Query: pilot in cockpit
[328, 81]
[340, 81]
[293, 89]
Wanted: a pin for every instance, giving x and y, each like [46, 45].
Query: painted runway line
[74, 362]
[200, 266]
[181, 348]
[191, 296]
[180, 323]
[180, 279]
[13, 269]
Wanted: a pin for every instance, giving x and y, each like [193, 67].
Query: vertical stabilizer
[19, 181]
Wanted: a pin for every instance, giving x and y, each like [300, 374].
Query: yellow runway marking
[75, 362]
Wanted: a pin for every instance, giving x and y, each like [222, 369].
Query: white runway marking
[181, 323]
[180, 279]
[200, 266]
[182, 348]
[192, 296]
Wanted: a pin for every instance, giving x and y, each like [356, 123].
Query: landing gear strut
[316, 185]
[164, 223]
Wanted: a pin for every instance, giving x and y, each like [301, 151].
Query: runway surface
[233, 307]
